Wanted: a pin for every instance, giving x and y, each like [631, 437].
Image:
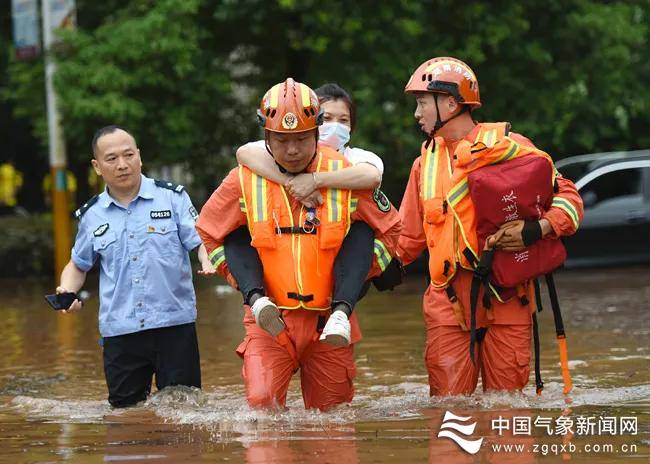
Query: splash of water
[224, 410]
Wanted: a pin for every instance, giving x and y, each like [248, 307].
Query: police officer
[141, 231]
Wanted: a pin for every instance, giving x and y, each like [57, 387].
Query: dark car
[615, 189]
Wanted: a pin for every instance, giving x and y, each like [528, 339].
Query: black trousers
[130, 361]
[350, 267]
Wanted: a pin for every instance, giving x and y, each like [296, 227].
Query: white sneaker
[337, 330]
[267, 315]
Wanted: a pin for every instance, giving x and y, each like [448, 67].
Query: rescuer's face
[426, 113]
[293, 152]
[117, 160]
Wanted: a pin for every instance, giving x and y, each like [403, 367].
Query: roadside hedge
[26, 246]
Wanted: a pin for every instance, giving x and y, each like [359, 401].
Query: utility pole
[64, 13]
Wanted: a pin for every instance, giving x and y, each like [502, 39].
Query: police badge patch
[289, 121]
[382, 201]
[193, 213]
[101, 230]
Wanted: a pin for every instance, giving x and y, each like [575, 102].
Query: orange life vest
[298, 259]
[449, 218]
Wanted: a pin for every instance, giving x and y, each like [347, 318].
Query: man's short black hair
[105, 131]
[333, 91]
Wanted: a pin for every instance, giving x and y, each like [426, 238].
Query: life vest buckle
[299, 297]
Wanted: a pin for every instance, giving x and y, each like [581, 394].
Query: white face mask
[334, 135]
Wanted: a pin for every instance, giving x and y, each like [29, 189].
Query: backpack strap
[480, 279]
[560, 334]
[539, 384]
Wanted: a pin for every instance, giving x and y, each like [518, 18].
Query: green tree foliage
[186, 75]
[149, 66]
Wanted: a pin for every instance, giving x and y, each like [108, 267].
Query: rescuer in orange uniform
[297, 250]
[446, 92]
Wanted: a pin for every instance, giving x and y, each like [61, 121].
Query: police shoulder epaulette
[178, 188]
[85, 207]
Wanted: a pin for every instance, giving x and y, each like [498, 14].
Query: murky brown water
[53, 407]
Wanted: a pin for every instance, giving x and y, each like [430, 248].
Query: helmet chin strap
[439, 122]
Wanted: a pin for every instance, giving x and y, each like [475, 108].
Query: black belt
[299, 297]
[295, 230]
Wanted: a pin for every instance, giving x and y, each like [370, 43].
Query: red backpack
[517, 189]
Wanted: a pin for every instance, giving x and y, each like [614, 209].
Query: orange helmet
[289, 107]
[446, 75]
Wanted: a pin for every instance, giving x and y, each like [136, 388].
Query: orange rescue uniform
[504, 354]
[243, 198]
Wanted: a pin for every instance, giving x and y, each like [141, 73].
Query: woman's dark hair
[332, 91]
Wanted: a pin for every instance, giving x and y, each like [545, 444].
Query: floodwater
[53, 404]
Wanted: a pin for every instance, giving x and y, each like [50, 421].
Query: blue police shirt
[145, 279]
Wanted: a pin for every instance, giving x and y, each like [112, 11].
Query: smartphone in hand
[62, 300]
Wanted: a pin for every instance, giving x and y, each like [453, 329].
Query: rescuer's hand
[519, 234]
[511, 238]
[301, 186]
[313, 200]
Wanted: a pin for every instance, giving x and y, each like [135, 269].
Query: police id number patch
[162, 214]
[382, 201]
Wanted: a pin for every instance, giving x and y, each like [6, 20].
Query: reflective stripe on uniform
[217, 256]
[430, 173]
[458, 192]
[490, 138]
[334, 205]
[487, 137]
[259, 185]
[383, 257]
[510, 153]
[353, 204]
[566, 206]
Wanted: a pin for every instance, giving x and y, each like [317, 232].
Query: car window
[574, 171]
[612, 187]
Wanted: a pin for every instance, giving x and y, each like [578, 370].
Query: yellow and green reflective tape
[334, 196]
[489, 138]
[566, 206]
[430, 172]
[458, 192]
[259, 198]
[354, 202]
[383, 257]
[217, 256]
[510, 153]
